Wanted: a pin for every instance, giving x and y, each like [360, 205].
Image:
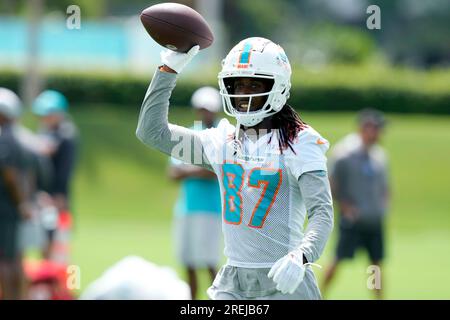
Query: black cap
[373, 116]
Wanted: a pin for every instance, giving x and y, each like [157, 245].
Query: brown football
[176, 26]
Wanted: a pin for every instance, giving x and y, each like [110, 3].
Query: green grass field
[123, 202]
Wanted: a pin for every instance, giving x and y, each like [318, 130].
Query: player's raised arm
[153, 128]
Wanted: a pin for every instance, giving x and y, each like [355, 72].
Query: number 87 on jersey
[241, 185]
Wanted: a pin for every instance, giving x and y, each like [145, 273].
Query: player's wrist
[297, 257]
[165, 68]
[177, 61]
[301, 256]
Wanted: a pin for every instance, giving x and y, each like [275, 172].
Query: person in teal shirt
[197, 221]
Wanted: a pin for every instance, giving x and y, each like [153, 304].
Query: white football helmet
[10, 104]
[207, 98]
[256, 58]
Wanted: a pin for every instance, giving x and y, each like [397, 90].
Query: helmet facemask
[261, 59]
[274, 100]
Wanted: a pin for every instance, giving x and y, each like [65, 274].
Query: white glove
[178, 60]
[288, 272]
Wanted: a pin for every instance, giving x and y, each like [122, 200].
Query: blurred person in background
[360, 186]
[60, 137]
[37, 176]
[197, 227]
[14, 197]
[43, 279]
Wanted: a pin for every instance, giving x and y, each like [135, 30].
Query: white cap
[10, 104]
[207, 98]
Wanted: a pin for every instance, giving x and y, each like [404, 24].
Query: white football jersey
[263, 211]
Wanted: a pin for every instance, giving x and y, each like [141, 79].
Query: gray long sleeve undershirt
[315, 190]
[154, 130]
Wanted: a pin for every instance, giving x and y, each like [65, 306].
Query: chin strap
[236, 143]
[236, 133]
[249, 105]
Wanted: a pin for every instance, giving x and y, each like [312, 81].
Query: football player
[271, 168]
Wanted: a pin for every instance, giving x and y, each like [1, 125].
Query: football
[176, 26]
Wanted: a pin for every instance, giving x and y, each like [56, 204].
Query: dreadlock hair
[289, 124]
